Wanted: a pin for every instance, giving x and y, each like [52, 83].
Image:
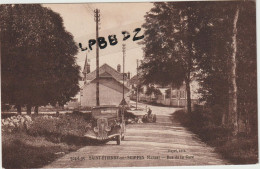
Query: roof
[85, 65]
[134, 80]
[112, 83]
[105, 74]
[108, 69]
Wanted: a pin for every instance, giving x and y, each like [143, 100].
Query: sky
[115, 18]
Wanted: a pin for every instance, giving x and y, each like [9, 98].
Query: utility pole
[124, 72]
[137, 83]
[97, 20]
[123, 101]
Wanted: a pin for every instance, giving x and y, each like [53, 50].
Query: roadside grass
[57, 128]
[238, 150]
[47, 139]
[20, 150]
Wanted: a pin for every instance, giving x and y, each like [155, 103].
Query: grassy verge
[37, 142]
[21, 150]
[44, 140]
[238, 150]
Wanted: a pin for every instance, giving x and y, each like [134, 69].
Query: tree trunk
[171, 95]
[19, 109]
[29, 109]
[36, 110]
[187, 79]
[232, 107]
[189, 39]
[187, 82]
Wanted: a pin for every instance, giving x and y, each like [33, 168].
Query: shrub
[206, 124]
[16, 123]
[129, 115]
[20, 150]
[241, 150]
[56, 128]
[213, 134]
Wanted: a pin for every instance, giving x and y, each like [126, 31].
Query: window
[182, 95]
[174, 94]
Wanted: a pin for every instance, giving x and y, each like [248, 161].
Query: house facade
[178, 96]
[168, 96]
[111, 87]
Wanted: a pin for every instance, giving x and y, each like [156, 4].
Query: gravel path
[164, 143]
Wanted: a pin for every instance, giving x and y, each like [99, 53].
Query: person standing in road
[149, 112]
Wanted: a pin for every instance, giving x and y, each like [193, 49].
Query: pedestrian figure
[149, 111]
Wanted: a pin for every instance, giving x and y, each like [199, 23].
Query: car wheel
[118, 140]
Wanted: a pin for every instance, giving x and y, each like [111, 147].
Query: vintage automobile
[107, 124]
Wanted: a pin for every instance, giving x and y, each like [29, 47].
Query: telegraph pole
[124, 72]
[97, 20]
[137, 83]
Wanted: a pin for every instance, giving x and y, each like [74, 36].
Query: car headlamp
[96, 129]
[108, 128]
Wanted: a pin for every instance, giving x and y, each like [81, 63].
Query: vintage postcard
[129, 84]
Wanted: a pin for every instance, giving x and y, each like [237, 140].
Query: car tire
[118, 140]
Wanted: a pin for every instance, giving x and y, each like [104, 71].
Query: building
[110, 86]
[178, 96]
[169, 96]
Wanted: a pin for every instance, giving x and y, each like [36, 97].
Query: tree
[232, 112]
[38, 63]
[152, 90]
[227, 61]
[169, 58]
[246, 67]
[214, 41]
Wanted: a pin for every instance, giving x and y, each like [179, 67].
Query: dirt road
[164, 143]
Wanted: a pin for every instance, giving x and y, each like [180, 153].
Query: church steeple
[86, 69]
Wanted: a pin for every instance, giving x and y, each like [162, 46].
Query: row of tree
[214, 42]
[37, 58]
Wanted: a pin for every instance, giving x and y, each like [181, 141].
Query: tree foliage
[185, 39]
[215, 40]
[170, 31]
[152, 90]
[38, 63]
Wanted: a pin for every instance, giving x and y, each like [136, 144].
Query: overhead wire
[109, 53]
[130, 46]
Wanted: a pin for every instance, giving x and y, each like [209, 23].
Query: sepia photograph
[129, 84]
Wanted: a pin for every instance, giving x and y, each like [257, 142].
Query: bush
[16, 123]
[57, 128]
[206, 124]
[20, 150]
[213, 134]
[240, 150]
[129, 115]
[16, 155]
[44, 140]
[8, 115]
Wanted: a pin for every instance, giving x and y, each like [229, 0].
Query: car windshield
[104, 112]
